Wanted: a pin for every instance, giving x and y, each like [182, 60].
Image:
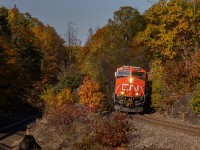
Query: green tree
[126, 23]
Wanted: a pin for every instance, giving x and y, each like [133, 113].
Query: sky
[84, 14]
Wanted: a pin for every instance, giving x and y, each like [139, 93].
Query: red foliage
[68, 113]
[111, 131]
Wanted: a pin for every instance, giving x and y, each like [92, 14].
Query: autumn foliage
[111, 131]
[31, 56]
[90, 94]
[86, 130]
[53, 99]
[35, 60]
[172, 38]
[195, 103]
[69, 113]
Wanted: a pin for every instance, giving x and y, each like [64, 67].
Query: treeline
[31, 56]
[173, 39]
[164, 40]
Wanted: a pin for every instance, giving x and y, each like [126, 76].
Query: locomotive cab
[129, 93]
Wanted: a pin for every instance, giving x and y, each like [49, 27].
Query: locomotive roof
[131, 68]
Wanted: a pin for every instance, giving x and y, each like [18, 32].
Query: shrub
[195, 102]
[67, 114]
[54, 100]
[86, 130]
[157, 83]
[65, 96]
[90, 94]
[110, 131]
[70, 78]
[48, 97]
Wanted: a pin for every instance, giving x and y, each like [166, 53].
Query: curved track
[190, 130]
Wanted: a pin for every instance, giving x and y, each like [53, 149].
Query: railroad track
[17, 128]
[194, 131]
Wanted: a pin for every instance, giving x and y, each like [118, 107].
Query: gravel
[148, 136]
[142, 136]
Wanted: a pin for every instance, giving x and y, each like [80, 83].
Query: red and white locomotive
[130, 85]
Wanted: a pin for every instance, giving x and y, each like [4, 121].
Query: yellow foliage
[65, 95]
[90, 94]
[55, 100]
[98, 40]
[195, 103]
[170, 23]
[48, 96]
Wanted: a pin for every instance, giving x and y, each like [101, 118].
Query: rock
[29, 143]
[182, 109]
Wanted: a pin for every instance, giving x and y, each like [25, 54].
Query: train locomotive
[130, 85]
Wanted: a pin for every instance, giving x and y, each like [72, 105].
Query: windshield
[139, 75]
[123, 73]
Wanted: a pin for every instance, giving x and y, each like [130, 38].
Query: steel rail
[194, 131]
[13, 128]
[18, 123]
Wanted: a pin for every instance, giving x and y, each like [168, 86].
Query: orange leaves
[90, 94]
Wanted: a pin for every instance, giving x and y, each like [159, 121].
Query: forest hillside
[57, 76]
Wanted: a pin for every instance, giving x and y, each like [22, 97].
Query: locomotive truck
[129, 95]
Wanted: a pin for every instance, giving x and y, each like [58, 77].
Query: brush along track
[194, 131]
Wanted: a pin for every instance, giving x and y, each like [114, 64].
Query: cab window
[123, 73]
[140, 75]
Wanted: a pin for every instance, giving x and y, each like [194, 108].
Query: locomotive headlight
[136, 94]
[122, 92]
[131, 80]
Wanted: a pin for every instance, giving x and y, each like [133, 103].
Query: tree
[172, 37]
[91, 33]
[23, 41]
[53, 54]
[19, 55]
[71, 35]
[126, 23]
[31, 55]
[90, 94]
[72, 42]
